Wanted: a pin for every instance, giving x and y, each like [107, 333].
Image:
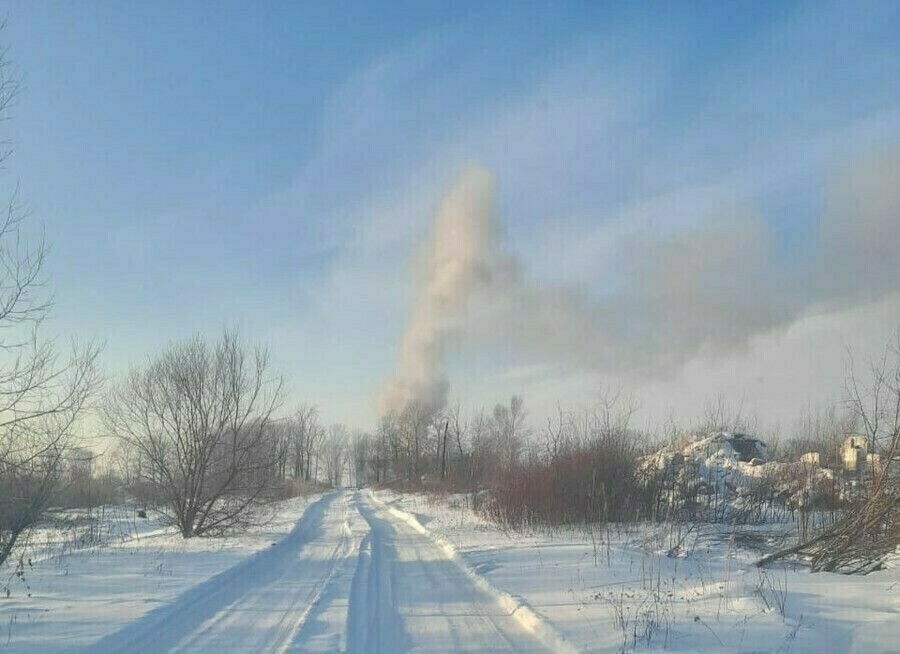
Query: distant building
[853, 453]
[812, 459]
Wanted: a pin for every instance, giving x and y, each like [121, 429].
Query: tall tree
[41, 396]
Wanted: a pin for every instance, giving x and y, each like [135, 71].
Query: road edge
[529, 619]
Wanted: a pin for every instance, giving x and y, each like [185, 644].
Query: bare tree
[197, 417]
[280, 443]
[558, 436]
[870, 530]
[304, 431]
[361, 449]
[336, 454]
[873, 402]
[36, 435]
[509, 431]
[41, 396]
[483, 457]
[820, 432]
[414, 423]
[458, 429]
[387, 449]
[720, 416]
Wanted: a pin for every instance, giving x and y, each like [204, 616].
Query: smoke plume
[709, 287]
[454, 265]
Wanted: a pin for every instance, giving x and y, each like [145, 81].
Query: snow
[416, 597]
[725, 477]
[633, 596]
[356, 571]
[74, 593]
[261, 604]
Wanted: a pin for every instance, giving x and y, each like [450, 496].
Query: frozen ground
[350, 575]
[73, 593]
[630, 595]
[357, 572]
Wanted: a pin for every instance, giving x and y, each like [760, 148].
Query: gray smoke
[455, 263]
[707, 289]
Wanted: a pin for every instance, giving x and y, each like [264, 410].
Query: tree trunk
[444, 452]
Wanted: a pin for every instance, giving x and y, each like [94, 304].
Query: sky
[703, 195]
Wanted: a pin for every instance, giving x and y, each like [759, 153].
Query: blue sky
[202, 165]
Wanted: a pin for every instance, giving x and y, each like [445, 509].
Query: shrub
[587, 484]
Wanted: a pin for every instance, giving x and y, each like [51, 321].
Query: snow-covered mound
[729, 477]
[729, 449]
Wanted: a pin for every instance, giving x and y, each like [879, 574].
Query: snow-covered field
[619, 589]
[341, 574]
[73, 592]
[355, 571]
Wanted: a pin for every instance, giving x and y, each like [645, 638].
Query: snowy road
[352, 576]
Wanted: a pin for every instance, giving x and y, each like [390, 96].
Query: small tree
[198, 418]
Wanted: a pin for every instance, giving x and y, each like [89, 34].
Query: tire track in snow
[252, 606]
[412, 597]
[321, 628]
[354, 576]
[293, 625]
[524, 615]
[373, 623]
